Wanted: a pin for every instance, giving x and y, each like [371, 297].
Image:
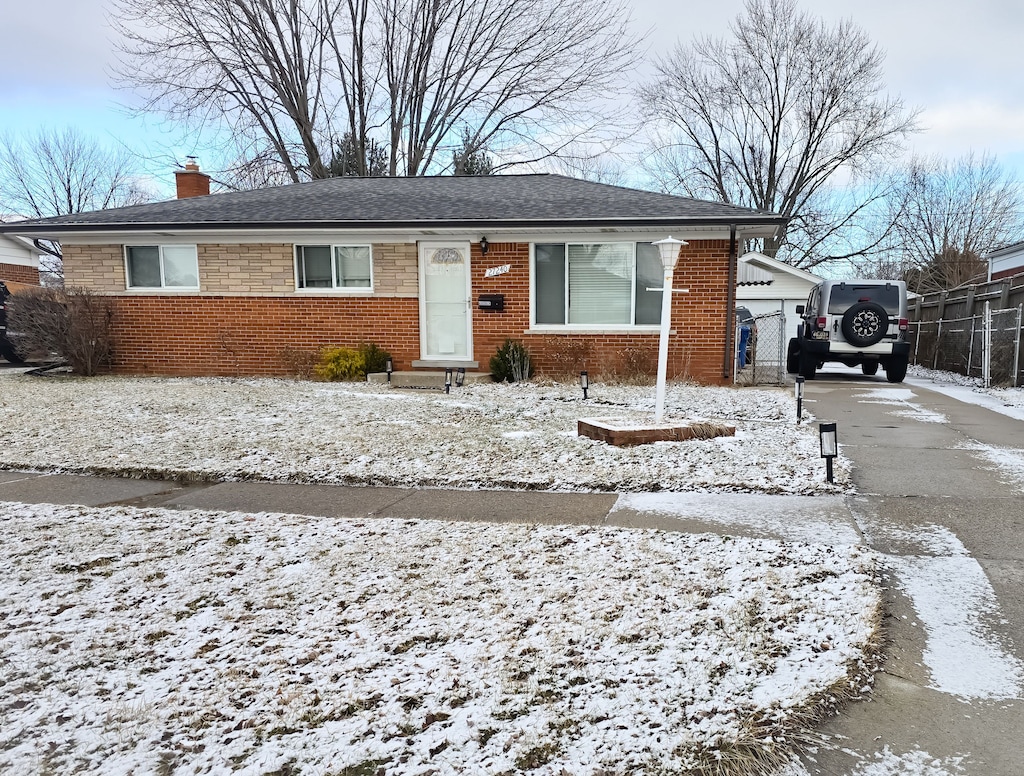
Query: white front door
[445, 319]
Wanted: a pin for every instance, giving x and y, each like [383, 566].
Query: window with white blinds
[596, 284]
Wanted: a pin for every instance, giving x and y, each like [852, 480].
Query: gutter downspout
[730, 307]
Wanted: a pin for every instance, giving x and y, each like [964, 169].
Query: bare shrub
[635, 365]
[73, 323]
[569, 355]
[299, 363]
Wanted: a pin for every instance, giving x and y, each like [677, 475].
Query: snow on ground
[956, 605]
[822, 520]
[888, 763]
[486, 436]
[969, 390]
[901, 398]
[151, 641]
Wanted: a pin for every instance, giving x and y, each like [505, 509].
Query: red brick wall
[19, 273]
[227, 335]
[1002, 275]
[698, 318]
[243, 335]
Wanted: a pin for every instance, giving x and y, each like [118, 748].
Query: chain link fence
[765, 363]
[987, 345]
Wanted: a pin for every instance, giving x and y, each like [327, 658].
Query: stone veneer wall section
[251, 269]
[19, 273]
[99, 267]
[256, 268]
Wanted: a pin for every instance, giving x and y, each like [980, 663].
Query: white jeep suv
[855, 322]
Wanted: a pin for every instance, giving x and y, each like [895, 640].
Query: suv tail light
[820, 323]
[904, 324]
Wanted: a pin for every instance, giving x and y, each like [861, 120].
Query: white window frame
[334, 288]
[588, 327]
[163, 287]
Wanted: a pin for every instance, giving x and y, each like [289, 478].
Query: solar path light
[829, 446]
[584, 383]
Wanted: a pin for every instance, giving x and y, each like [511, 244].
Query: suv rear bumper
[825, 350]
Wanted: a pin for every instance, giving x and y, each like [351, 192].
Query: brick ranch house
[437, 270]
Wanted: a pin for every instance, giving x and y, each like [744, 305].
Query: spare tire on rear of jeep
[865, 323]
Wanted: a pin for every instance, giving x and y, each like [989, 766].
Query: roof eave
[38, 229]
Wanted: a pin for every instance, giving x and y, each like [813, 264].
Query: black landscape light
[584, 383]
[799, 388]
[829, 446]
[448, 380]
[460, 376]
[389, 368]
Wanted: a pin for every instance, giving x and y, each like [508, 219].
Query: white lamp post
[668, 249]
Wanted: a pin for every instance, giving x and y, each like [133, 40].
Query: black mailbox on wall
[491, 302]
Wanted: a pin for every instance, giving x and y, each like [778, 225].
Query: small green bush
[341, 364]
[351, 364]
[375, 359]
[511, 363]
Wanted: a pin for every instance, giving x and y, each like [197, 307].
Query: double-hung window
[162, 266]
[334, 267]
[597, 284]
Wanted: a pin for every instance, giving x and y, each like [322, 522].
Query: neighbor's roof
[1006, 250]
[508, 201]
[749, 275]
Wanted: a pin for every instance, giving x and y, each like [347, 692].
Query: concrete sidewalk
[825, 520]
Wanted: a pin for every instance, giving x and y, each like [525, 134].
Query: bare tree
[774, 117]
[948, 215]
[295, 77]
[60, 172]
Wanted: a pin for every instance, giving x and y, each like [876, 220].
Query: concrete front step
[425, 378]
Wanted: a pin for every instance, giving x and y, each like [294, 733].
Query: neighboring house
[438, 271]
[19, 261]
[1006, 262]
[788, 287]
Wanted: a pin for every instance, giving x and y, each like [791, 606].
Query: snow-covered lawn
[488, 436]
[152, 641]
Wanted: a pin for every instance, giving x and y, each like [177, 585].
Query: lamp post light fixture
[584, 383]
[448, 380]
[668, 250]
[389, 367]
[829, 446]
[799, 389]
[460, 376]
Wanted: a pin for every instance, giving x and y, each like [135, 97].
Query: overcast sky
[955, 60]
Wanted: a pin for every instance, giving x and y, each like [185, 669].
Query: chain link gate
[987, 346]
[767, 352]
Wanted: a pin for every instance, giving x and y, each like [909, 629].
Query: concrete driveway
[940, 495]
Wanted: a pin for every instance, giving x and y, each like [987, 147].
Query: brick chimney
[191, 182]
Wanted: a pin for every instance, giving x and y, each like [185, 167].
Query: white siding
[16, 252]
[789, 288]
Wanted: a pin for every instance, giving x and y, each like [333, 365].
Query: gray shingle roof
[424, 202]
